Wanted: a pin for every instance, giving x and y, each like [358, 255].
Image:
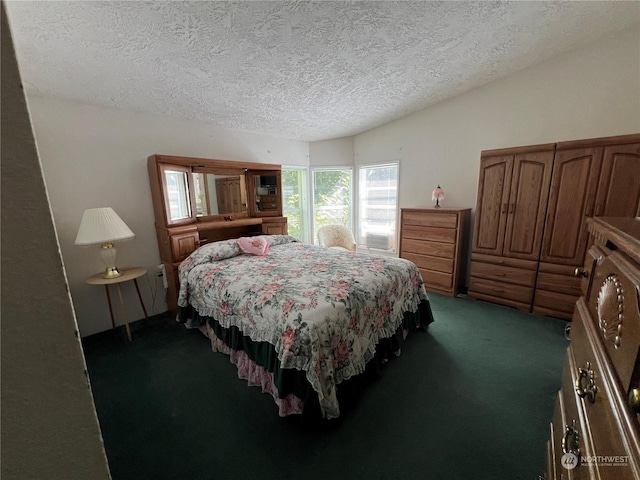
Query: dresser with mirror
[197, 201]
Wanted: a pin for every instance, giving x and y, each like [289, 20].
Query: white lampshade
[104, 226]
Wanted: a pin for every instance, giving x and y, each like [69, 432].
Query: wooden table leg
[113, 322]
[135, 281]
[124, 312]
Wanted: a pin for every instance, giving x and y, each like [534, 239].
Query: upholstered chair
[336, 236]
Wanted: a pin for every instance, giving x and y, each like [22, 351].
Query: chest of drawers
[595, 432]
[435, 240]
[268, 202]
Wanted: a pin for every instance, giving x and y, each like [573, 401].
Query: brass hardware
[571, 440]
[588, 376]
[634, 399]
[610, 308]
[579, 272]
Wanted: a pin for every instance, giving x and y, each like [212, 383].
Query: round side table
[127, 275]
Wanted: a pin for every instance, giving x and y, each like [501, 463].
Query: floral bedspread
[324, 310]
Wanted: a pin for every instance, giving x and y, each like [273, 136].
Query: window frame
[308, 194]
[362, 246]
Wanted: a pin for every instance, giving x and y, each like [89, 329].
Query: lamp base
[111, 272]
[109, 254]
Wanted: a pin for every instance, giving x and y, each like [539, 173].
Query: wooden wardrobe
[529, 231]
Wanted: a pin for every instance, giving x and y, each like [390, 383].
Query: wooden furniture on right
[197, 200]
[529, 233]
[435, 240]
[595, 432]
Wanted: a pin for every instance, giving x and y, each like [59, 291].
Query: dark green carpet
[471, 398]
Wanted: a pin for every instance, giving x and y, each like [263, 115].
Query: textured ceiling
[300, 70]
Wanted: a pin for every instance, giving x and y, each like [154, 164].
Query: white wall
[95, 157]
[49, 424]
[591, 92]
[330, 153]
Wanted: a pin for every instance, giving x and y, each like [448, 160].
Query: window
[332, 194]
[295, 201]
[177, 186]
[377, 206]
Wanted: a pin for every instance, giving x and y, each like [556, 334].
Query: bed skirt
[258, 363]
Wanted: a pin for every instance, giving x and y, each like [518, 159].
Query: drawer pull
[580, 272]
[634, 399]
[586, 383]
[567, 332]
[571, 440]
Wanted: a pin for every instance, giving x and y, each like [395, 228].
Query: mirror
[177, 200]
[266, 193]
[219, 193]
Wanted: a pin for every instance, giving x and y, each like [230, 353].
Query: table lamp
[103, 226]
[437, 196]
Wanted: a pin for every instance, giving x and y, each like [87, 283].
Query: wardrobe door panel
[571, 199]
[527, 204]
[619, 188]
[492, 204]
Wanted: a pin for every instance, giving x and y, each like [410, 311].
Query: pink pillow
[254, 245]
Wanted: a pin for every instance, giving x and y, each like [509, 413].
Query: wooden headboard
[197, 201]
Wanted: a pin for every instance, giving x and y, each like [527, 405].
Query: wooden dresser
[595, 432]
[435, 239]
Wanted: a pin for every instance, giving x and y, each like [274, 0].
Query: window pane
[377, 206]
[295, 202]
[331, 198]
[177, 194]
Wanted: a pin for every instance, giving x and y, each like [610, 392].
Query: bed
[301, 321]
